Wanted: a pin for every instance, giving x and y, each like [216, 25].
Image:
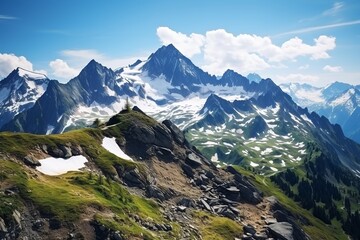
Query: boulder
[164, 154]
[66, 151]
[249, 229]
[133, 178]
[31, 161]
[281, 231]
[177, 134]
[187, 170]
[193, 160]
[155, 192]
[187, 202]
[56, 153]
[229, 214]
[76, 150]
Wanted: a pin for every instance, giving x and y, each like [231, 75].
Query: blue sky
[316, 42]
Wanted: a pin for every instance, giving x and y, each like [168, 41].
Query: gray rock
[134, 179]
[17, 217]
[206, 205]
[56, 152]
[66, 151]
[228, 213]
[37, 224]
[187, 170]
[164, 154]
[281, 231]
[177, 134]
[260, 236]
[117, 236]
[187, 202]
[3, 228]
[31, 161]
[155, 192]
[249, 229]
[193, 160]
[76, 150]
[269, 221]
[181, 208]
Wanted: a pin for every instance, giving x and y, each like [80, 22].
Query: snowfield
[111, 145]
[56, 166]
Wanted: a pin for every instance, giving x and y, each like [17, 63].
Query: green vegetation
[317, 229]
[216, 228]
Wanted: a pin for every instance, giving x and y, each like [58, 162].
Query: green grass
[317, 229]
[213, 227]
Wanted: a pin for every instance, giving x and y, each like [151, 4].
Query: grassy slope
[69, 195]
[317, 229]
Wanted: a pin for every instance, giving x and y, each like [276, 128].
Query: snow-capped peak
[30, 74]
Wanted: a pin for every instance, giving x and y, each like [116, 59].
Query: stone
[134, 179]
[204, 178]
[117, 236]
[249, 229]
[228, 213]
[164, 154]
[193, 160]
[17, 217]
[66, 151]
[177, 134]
[206, 205]
[76, 150]
[31, 161]
[187, 202]
[3, 228]
[155, 192]
[56, 153]
[210, 174]
[281, 231]
[269, 221]
[260, 236]
[37, 224]
[181, 208]
[187, 170]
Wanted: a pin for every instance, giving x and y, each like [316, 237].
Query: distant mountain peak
[254, 77]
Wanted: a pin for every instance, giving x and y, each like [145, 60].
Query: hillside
[164, 190]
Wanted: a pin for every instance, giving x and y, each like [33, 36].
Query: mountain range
[230, 120]
[339, 102]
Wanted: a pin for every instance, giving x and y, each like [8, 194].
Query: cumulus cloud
[244, 52]
[333, 69]
[188, 45]
[9, 62]
[62, 70]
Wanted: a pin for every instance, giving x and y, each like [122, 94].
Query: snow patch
[111, 145]
[57, 166]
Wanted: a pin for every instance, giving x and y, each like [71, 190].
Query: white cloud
[9, 62]
[244, 53]
[303, 67]
[317, 28]
[62, 70]
[334, 10]
[333, 69]
[80, 57]
[188, 45]
[296, 78]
